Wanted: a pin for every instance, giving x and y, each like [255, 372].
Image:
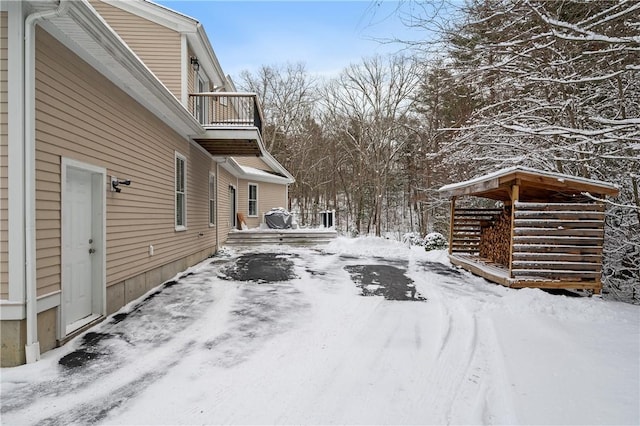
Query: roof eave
[157, 13]
[506, 177]
[233, 167]
[104, 50]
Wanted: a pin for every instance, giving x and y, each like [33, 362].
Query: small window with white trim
[181, 192]
[212, 199]
[253, 199]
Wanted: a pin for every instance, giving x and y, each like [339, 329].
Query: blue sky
[325, 35]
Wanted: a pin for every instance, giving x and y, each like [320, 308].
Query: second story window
[253, 199]
[181, 192]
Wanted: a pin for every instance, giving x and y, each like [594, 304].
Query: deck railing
[226, 109]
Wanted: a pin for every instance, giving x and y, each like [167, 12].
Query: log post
[453, 212]
[515, 196]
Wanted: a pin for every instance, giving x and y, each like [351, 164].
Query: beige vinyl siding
[159, 47]
[255, 162]
[4, 237]
[191, 75]
[191, 81]
[270, 195]
[224, 179]
[83, 116]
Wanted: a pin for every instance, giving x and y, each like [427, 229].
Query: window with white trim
[181, 191]
[212, 199]
[253, 199]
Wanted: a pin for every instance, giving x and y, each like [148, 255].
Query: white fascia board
[231, 84]
[276, 166]
[179, 22]
[156, 13]
[201, 47]
[232, 167]
[84, 31]
[240, 172]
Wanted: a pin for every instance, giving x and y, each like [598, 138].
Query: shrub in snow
[435, 241]
[412, 239]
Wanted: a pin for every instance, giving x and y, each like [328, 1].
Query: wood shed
[544, 231]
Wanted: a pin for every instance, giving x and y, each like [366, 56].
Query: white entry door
[82, 247]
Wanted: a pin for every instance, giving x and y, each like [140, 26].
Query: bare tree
[555, 85]
[287, 93]
[369, 104]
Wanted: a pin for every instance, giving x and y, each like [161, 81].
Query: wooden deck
[500, 275]
[294, 237]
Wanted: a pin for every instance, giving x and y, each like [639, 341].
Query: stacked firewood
[495, 239]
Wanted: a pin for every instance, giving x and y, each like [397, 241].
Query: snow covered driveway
[285, 335]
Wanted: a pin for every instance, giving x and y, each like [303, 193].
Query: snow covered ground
[309, 348]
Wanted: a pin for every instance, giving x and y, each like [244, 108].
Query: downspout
[32, 346]
[217, 179]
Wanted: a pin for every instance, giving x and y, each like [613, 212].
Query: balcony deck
[232, 121]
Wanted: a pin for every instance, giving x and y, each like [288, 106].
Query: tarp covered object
[278, 219]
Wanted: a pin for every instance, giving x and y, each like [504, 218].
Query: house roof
[535, 185]
[87, 34]
[190, 27]
[82, 30]
[201, 46]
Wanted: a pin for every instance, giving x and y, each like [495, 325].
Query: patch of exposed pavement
[162, 315]
[259, 312]
[260, 268]
[384, 280]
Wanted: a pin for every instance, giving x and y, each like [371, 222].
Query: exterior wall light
[195, 64]
[115, 183]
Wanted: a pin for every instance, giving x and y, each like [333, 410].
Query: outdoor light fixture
[115, 183]
[195, 64]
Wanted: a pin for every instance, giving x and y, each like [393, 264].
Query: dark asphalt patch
[90, 349]
[261, 268]
[440, 269]
[384, 280]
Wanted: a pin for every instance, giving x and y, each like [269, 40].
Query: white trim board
[17, 311]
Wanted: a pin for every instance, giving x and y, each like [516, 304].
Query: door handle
[92, 250]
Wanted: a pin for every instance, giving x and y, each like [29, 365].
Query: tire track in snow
[466, 384]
